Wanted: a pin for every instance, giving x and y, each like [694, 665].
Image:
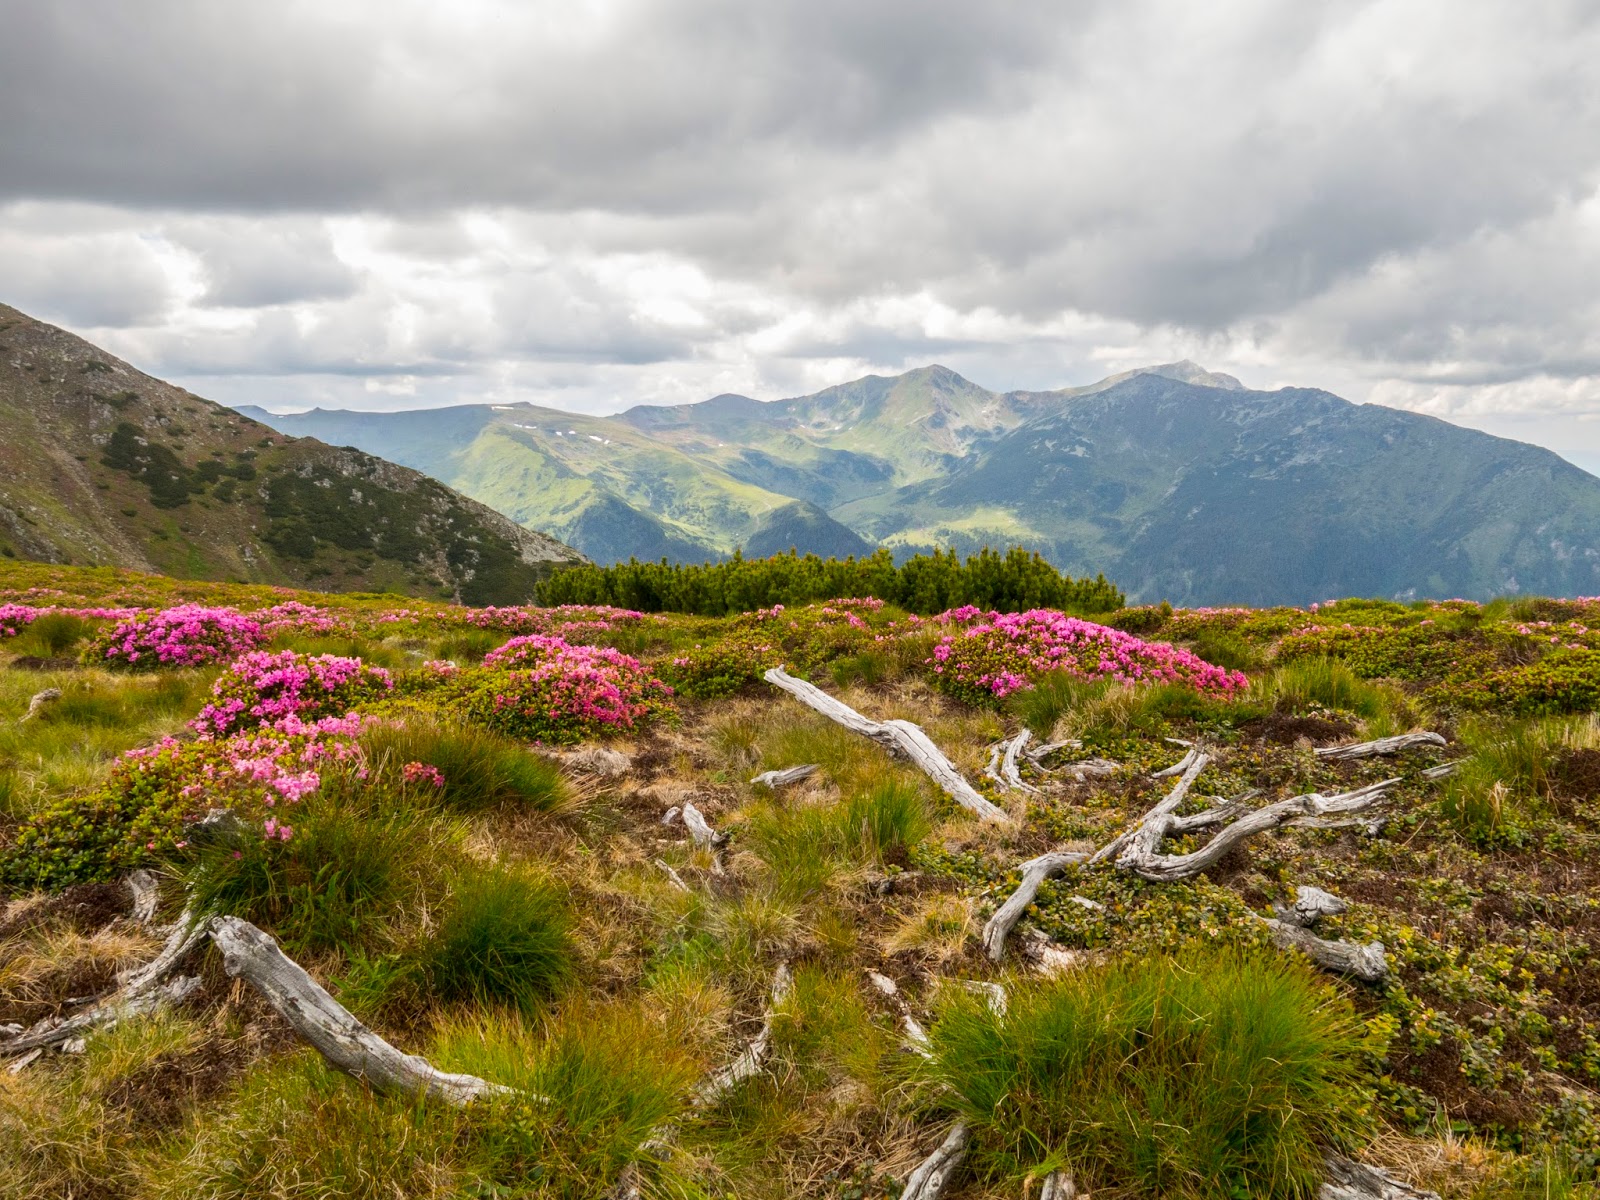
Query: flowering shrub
[262, 688]
[527, 651]
[1004, 651]
[563, 619]
[1565, 681]
[564, 694]
[14, 618]
[294, 617]
[190, 635]
[151, 792]
[797, 637]
[422, 773]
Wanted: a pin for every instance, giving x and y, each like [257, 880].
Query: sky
[397, 204]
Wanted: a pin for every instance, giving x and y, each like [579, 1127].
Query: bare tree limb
[1381, 747]
[783, 778]
[1156, 818]
[899, 736]
[916, 1035]
[932, 1176]
[673, 877]
[1310, 906]
[146, 893]
[1008, 768]
[1034, 872]
[1058, 1185]
[1369, 963]
[1140, 852]
[38, 703]
[699, 828]
[1179, 767]
[749, 1061]
[251, 955]
[1350, 1180]
[122, 1006]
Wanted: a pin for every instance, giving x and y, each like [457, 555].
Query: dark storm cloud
[668, 195]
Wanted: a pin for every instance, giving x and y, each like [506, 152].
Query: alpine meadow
[799, 601]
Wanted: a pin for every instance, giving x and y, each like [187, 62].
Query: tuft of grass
[1226, 649]
[504, 938]
[50, 636]
[1225, 1076]
[356, 863]
[469, 645]
[375, 654]
[481, 770]
[807, 845]
[1053, 697]
[1326, 683]
[298, 1128]
[593, 1086]
[1506, 782]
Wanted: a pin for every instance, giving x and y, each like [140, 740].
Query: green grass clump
[469, 645]
[594, 1086]
[1210, 1079]
[374, 654]
[1326, 683]
[1505, 781]
[806, 844]
[50, 636]
[504, 938]
[355, 863]
[480, 769]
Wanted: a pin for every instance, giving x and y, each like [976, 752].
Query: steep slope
[1205, 495]
[100, 464]
[806, 528]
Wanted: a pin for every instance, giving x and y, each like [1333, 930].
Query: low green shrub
[1220, 1077]
[1563, 681]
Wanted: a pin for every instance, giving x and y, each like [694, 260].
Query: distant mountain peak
[1185, 371]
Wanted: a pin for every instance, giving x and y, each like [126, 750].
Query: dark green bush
[1212, 1079]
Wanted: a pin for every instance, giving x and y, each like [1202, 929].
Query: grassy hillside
[478, 865]
[103, 465]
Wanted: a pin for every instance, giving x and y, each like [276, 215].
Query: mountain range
[1177, 482]
[103, 465]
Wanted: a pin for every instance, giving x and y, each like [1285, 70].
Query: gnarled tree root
[933, 1174]
[900, 737]
[1034, 872]
[1350, 1180]
[1381, 747]
[749, 1061]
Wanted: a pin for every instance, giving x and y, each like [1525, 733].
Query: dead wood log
[1058, 1185]
[933, 1174]
[1369, 963]
[1008, 766]
[1091, 768]
[1351, 1180]
[1381, 747]
[142, 886]
[749, 1061]
[673, 877]
[1156, 819]
[699, 828]
[1179, 767]
[1034, 872]
[1140, 854]
[122, 1006]
[916, 1035]
[1045, 749]
[38, 702]
[783, 778]
[992, 770]
[1443, 770]
[901, 737]
[1310, 906]
[252, 955]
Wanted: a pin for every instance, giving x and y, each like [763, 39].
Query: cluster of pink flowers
[1005, 652]
[565, 618]
[421, 772]
[544, 689]
[294, 617]
[261, 688]
[190, 635]
[14, 618]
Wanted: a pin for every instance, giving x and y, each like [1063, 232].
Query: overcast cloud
[398, 203]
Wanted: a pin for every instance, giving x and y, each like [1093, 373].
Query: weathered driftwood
[1350, 1180]
[122, 1006]
[993, 994]
[1045, 749]
[699, 828]
[902, 737]
[1034, 872]
[39, 702]
[1310, 906]
[783, 778]
[749, 1061]
[1179, 767]
[1156, 820]
[251, 955]
[1046, 957]
[1443, 770]
[1058, 1185]
[146, 893]
[673, 877]
[992, 770]
[1380, 747]
[1369, 963]
[933, 1174]
[916, 1035]
[1008, 766]
[1141, 855]
[672, 816]
[1091, 768]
